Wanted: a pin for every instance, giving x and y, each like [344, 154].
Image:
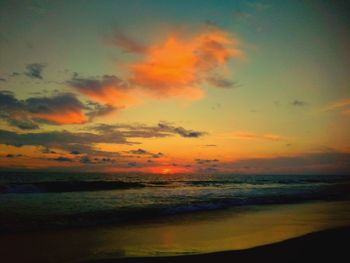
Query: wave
[81, 186]
[15, 223]
[66, 186]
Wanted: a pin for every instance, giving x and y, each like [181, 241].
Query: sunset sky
[175, 86]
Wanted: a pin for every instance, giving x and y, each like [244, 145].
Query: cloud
[107, 90]
[221, 82]
[97, 110]
[180, 131]
[3, 79]
[85, 142]
[125, 43]
[13, 112]
[132, 164]
[61, 159]
[60, 139]
[139, 152]
[206, 161]
[255, 136]
[15, 74]
[163, 129]
[60, 109]
[63, 108]
[298, 103]
[47, 150]
[21, 123]
[174, 67]
[70, 142]
[85, 160]
[321, 162]
[146, 153]
[258, 6]
[157, 155]
[35, 70]
[13, 155]
[177, 66]
[342, 106]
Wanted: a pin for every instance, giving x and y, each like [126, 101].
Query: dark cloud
[46, 150]
[157, 155]
[65, 140]
[210, 169]
[97, 110]
[206, 161]
[126, 43]
[13, 155]
[298, 103]
[3, 79]
[35, 70]
[143, 131]
[147, 153]
[94, 85]
[139, 151]
[85, 160]
[180, 131]
[106, 160]
[60, 109]
[23, 123]
[15, 74]
[55, 103]
[132, 164]
[61, 159]
[84, 142]
[107, 90]
[221, 82]
[257, 6]
[13, 111]
[216, 106]
[322, 162]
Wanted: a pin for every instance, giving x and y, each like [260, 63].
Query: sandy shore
[324, 246]
[248, 232]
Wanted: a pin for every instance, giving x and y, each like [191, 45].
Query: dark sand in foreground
[271, 233]
[324, 246]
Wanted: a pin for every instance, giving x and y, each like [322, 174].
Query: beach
[324, 246]
[174, 131]
[250, 232]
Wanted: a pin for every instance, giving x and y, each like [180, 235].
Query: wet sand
[324, 246]
[187, 234]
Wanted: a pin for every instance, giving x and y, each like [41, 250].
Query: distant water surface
[31, 201]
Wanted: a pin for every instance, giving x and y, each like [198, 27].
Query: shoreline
[326, 245]
[197, 234]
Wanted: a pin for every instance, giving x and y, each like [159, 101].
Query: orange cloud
[63, 108]
[342, 106]
[255, 136]
[177, 66]
[108, 90]
[65, 117]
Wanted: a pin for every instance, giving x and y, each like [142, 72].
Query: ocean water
[36, 201]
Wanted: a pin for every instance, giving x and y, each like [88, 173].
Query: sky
[175, 86]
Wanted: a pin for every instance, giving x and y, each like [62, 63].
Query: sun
[166, 171]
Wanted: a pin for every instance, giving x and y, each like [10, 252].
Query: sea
[31, 201]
